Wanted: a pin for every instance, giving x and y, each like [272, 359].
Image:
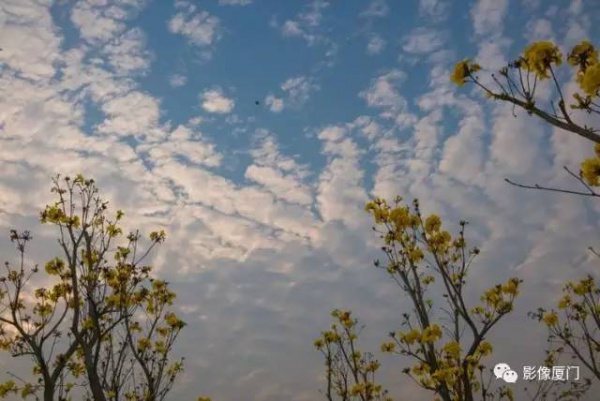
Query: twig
[590, 192]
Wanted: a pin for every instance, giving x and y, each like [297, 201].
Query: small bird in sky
[257, 102]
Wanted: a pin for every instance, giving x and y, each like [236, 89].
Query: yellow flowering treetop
[424, 259]
[518, 82]
[421, 255]
[350, 373]
[104, 329]
[575, 323]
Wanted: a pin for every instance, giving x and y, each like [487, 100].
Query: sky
[254, 131]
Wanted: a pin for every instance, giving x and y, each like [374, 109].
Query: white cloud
[100, 21]
[183, 141]
[383, 92]
[539, 29]
[199, 28]
[95, 27]
[306, 24]
[436, 10]
[462, 156]
[214, 101]
[341, 193]
[30, 44]
[488, 15]
[266, 153]
[177, 80]
[422, 41]
[278, 184]
[298, 90]
[376, 44]
[135, 113]
[275, 104]
[249, 202]
[367, 126]
[127, 53]
[376, 9]
[291, 28]
[491, 55]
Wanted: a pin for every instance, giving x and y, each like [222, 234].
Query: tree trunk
[49, 389]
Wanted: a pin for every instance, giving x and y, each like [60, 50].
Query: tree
[517, 84]
[445, 338]
[422, 256]
[350, 373]
[575, 322]
[104, 327]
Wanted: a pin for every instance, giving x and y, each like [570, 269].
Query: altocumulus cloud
[266, 230]
[214, 101]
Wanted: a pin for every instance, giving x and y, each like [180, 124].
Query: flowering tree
[517, 84]
[350, 373]
[102, 329]
[423, 259]
[421, 255]
[575, 323]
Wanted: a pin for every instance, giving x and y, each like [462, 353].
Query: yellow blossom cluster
[405, 228]
[581, 299]
[584, 56]
[539, 57]
[463, 70]
[498, 299]
[590, 168]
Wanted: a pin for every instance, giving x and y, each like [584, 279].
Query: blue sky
[263, 204]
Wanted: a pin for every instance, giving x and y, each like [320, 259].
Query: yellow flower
[331, 337]
[421, 369]
[401, 217]
[589, 81]
[447, 375]
[583, 55]
[433, 224]
[357, 389]
[550, 318]
[564, 302]
[452, 349]
[492, 297]
[55, 266]
[539, 56]
[590, 171]
[173, 321]
[415, 255]
[511, 287]
[388, 347]
[411, 336]
[462, 70]
[431, 333]
[583, 287]
[485, 348]
[143, 344]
